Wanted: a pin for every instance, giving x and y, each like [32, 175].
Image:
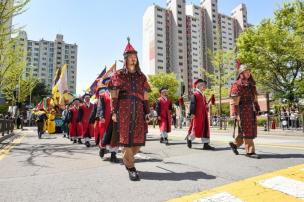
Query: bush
[261, 120]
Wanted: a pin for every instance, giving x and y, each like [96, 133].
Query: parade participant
[64, 126]
[163, 109]
[199, 127]
[75, 129]
[129, 92]
[84, 114]
[106, 126]
[41, 118]
[245, 108]
[51, 127]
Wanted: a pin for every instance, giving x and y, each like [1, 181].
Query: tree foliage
[275, 51]
[163, 80]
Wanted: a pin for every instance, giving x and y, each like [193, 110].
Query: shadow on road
[194, 176]
[281, 156]
[216, 149]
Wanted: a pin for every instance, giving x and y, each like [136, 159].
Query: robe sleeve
[93, 114]
[256, 104]
[100, 108]
[235, 96]
[192, 105]
[80, 115]
[147, 87]
[157, 108]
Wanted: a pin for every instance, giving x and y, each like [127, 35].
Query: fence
[6, 126]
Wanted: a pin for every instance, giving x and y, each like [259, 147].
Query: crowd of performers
[120, 113]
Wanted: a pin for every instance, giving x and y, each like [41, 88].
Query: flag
[57, 75]
[93, 87]
[39, 105]
[62, 83]
[109, 72]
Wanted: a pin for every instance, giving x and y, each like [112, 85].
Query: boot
[234, 148]
[87, 143]
[102, 152]
[74, 141]
[208, 147]
[161, 140]
[133, 175]
[166, 141]
[113, 158]
[79, 141]
[189, 143]
[253, 155]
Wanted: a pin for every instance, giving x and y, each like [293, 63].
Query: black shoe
[113, 158]
[102, 152]
[234, 148]
[208, 147]
[161, 140]
[166, 141]
[64, 136]
[87, 143]
[133, 175]
[79, 141]
[74, 141]
[189, 143]
[253, 155]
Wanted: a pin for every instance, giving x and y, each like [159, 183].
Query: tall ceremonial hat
[198, 81]
[129, 49]
[241, 67]
[163, 89]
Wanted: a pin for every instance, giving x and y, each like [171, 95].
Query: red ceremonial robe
[163, 109]
[131, 107]
[75, 129]
[199, 124]
[84, 119]
[103, 112]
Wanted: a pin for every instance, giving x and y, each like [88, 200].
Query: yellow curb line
[6, 150]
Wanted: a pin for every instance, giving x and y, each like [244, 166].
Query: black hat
[162, 89]
[85, 95]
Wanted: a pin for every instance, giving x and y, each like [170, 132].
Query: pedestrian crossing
[285, 185]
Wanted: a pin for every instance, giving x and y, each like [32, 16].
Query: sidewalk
[261, 132]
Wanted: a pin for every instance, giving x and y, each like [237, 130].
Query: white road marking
[286, 185]
[220, 197]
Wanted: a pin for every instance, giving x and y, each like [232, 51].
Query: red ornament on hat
[238, 63]
[129, 48]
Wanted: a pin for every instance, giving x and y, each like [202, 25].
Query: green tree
[11, 55]
[163, 80]
[275, 52]
[39, 92]
[222, 63]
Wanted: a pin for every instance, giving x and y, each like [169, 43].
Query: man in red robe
[163, 109]
[84, 114]
[75, 129]
[129, 92]
[199, 126]
[104, 110]
[245, 108]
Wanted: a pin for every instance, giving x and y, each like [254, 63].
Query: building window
[158, 22]
[180, 31]
[159, 29]
[179, 12]
[159, 16]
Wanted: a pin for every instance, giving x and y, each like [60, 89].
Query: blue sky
[100, 27]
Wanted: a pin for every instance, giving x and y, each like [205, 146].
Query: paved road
[53, 169]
